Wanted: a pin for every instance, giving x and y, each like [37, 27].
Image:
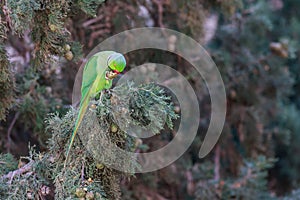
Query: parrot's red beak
[115, 71]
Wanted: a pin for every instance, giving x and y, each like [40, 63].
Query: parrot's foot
[102, 95]
[100, 98]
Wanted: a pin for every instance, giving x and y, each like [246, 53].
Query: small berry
[69, 55]
[99, 166]
[80, 192]
[67, 47]
[89, 196]
[138, 142]
[93, 106]
[113, 128]
[52, 27]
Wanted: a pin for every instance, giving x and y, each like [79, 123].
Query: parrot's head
[116, 63]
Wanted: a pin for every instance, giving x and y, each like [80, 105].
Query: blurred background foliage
[255, 44]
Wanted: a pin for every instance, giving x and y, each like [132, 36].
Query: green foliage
[89, 6]
[35, 102]
[87, 175]
[22, 13]
[46, 20]
[6, 83]
[250, 184]
[256, 77]
[192, 15]
[150, 107]
[7, 163]
[89, 165]
[287, 144]
[295, 195]
[6, 77]
[253, 181]
[22, 183]
[49, 34]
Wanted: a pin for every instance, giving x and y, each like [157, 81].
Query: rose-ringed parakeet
[98, 74]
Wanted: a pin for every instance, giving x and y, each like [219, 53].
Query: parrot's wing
[87, 73]
[84, 79]
[89, 76]
[84, 103]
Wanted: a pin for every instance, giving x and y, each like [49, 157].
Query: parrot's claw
[100, 99]
[109, 93]
[102, 94]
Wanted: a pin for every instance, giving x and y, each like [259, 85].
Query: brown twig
[6, 13]
[160, 8]
[159, 4]
[26, 168]
[10, 129]
[92, 21]
[243, 181]
[97, 34]
[217, 163]
[82, 172]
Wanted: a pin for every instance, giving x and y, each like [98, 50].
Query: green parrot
[98, 74]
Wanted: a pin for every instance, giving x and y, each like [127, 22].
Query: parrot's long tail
[84, 103]
[83, 107]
